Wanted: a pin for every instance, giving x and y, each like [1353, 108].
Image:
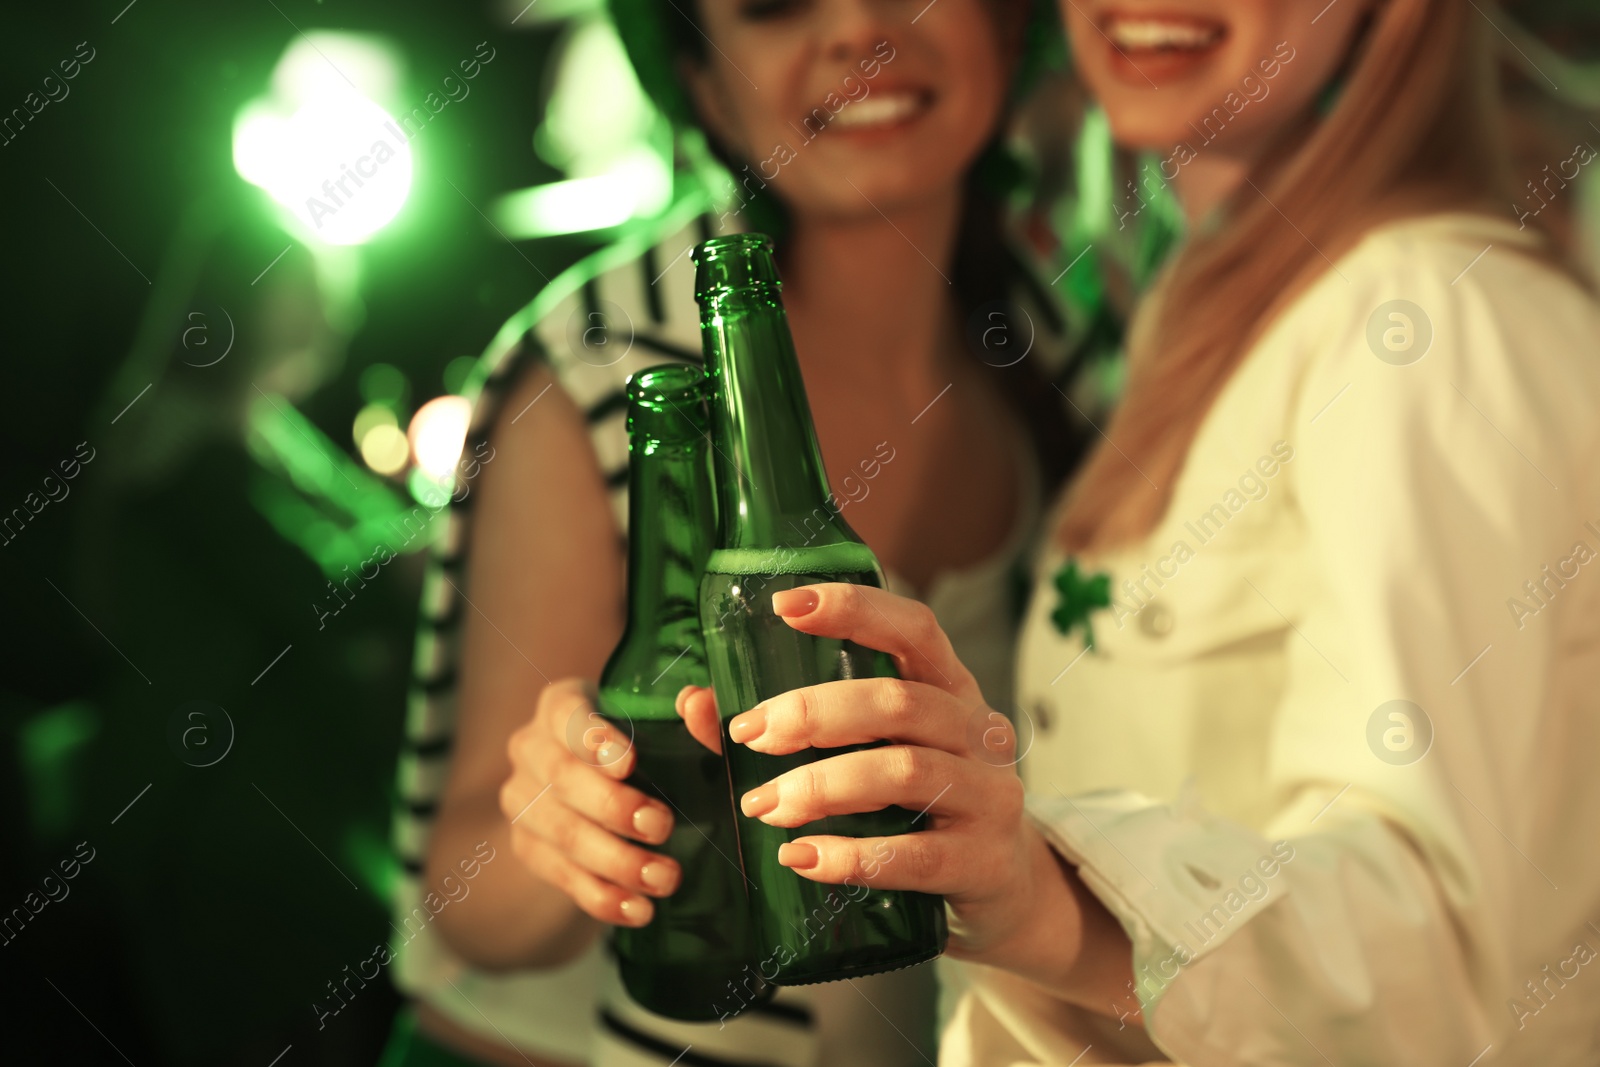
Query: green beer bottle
[779, 529]
[691, 961]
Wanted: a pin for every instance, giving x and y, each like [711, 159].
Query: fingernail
[749, 726]
[636, 911]
[759, 800]
[652, 823]
[798, 855]
[661, 878]
[792, 603]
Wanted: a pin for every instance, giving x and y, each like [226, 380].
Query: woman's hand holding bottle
[574, 821]
[1011, 901]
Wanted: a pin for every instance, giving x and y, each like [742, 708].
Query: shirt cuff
[1180, 880]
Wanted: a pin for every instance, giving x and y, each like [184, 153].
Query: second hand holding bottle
[779, 530]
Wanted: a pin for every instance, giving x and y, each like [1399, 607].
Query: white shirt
[1308, 872]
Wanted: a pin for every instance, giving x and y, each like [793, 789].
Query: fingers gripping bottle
[779, 528]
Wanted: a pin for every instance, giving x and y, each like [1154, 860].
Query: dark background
[218, 907]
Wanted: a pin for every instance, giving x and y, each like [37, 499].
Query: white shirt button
[1155, 620]
[1041, 715]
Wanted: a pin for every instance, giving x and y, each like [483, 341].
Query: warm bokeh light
[369, 417]
[385, 449]
[438, 432]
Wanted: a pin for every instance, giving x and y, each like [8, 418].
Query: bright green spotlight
[639, 186]
[602, 130]
[321, 146]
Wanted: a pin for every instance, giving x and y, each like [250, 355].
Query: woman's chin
[866, 188]
[1145, 128]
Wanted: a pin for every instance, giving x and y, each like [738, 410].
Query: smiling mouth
[1150, 35]
[882, 110]
[1145, 50]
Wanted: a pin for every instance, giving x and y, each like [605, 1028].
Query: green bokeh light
[51, 743]
[321, 144]
[384, 383]
[456, 372]
[603, 131]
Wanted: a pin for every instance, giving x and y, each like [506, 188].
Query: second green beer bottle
[779, 530]
[692, 961]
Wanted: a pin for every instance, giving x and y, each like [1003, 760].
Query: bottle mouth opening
[739, 262]
[667, 402]
[732, 244]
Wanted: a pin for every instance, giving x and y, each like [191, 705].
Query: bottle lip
[667, 402]
[731, 242]
[740, 262]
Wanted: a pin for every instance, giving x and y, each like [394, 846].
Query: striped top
[627, 308]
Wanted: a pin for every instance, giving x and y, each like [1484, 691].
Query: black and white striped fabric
[628, 308]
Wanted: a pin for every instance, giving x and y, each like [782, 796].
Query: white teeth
[1139, 34]
[878, 109]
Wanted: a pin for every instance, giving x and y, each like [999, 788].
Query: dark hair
[660, 35]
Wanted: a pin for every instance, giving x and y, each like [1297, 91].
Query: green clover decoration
[1080, 595]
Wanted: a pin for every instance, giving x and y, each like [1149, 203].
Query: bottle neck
[771, 481]
[671, 528]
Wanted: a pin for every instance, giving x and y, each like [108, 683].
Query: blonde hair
[1416, 130]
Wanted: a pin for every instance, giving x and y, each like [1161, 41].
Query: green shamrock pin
[1080, 595]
